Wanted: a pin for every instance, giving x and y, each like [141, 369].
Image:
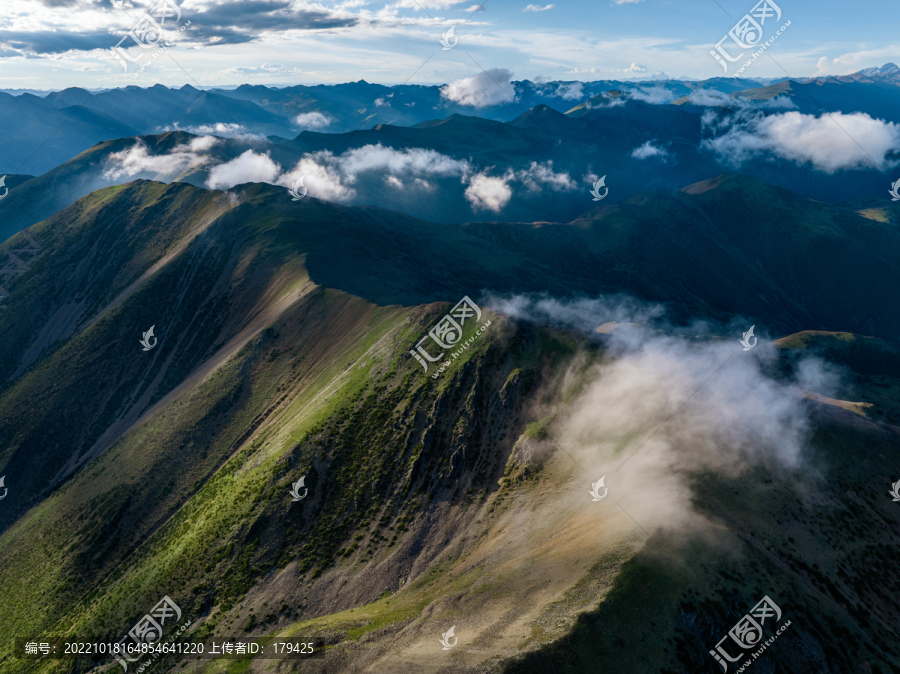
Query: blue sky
[52, 44]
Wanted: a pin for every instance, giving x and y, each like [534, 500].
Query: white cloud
[313, 120]
[136, 159]
[542, 174]
[783, 102]
[226, 129]
[538, 8]
[321, 181]
[830, 142]
[487, 193]
[570, 91]
[494, 192]
[648, 150]
[416, 160]
[200, 143]
[265, 69]
[331, 177]
[652, 95]
[737, 420]
[822, 67]
[611, 102]
[493, 87]
[250, 167]
[383, 100]
[713, 98]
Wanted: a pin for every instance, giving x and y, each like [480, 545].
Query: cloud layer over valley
[335, 177]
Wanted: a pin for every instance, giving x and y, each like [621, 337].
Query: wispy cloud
[648, 150]
[137, 159]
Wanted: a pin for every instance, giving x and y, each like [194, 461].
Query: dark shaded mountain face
[33, 144]
[281, 351]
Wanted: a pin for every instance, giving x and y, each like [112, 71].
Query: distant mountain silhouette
[31, 121]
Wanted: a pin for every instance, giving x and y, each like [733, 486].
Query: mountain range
[284, 332]
[89, 118]
[539, 166]
[573, 383]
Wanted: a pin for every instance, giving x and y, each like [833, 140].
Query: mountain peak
[889, 73]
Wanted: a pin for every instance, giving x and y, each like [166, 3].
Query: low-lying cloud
[336, 177]
[652, 95]
[714, 98]
[570, 91]
[488, 193]
[249, 167]
[137, 159]
[486, 89]
[829, 143]
[648, 150]
[313, 120]
[620, 420]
